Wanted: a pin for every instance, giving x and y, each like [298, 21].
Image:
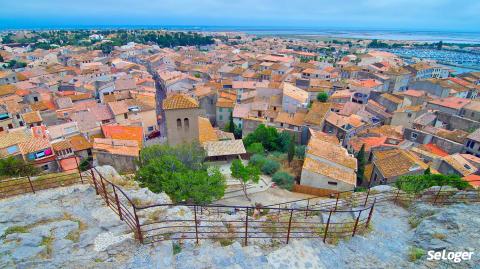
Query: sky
[456, 15]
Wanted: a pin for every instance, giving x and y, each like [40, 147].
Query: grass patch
[47, 241]
[414, 222]
[14, 230]
[415, 253]
[177, 248]
[225, 242]
[439, 236]
[98, 260]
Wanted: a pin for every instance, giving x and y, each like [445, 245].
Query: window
[45, 167]
[10, 126]
[186, 123]
[220, 117]
[1, 129]
[125, 115]
[12, 149]
[414, 136]
[220, 109]
[472, 144]
[18, 116]
[150, 128]
[409, 115]
[179, 123]
[332, 183]
[35, 99]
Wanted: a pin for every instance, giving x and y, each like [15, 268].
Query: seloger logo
[456, 257]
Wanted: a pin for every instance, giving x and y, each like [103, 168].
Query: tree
[283, 141]
[190, 154]
[257, 160]
[322, 97]
[427, 171]
[166, 173]
[231, 125]
[199, 187]
[267, 136]
[439, 45]
[300, 152]
[245, 174]
[361, 165]
[270, 167]
[291, 149]
[13, 167]
[256, 148]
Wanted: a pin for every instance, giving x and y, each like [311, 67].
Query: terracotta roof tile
[179, 101]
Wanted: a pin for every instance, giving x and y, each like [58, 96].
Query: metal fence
[30, 184]
[343, 214]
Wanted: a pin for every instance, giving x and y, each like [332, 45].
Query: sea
[447, 36]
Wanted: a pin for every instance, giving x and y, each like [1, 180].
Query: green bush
[418, 183]
[283, 180]
[256, 148]
[13, 167]
[270, 167]
[257, 160]
[300, 151]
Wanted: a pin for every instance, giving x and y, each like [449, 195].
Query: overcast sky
[459, 15]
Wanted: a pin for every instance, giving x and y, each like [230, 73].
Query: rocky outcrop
[71, 227]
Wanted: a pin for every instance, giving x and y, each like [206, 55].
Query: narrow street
[159, 96]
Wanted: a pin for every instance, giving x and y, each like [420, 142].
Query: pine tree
[361, 165]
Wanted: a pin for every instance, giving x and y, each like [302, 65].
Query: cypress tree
[361, 165]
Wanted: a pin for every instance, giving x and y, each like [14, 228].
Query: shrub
[256, 148]
[418, 183]
[283, 180]
[415, 253]
[13, 167]
[270, 167]
[300, 152]
[257, 160]
[322, 97]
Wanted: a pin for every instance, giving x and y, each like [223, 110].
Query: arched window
[186, 123]
[179, 123]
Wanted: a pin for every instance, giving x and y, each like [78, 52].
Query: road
[159, 96]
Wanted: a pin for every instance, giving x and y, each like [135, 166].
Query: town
[233, 119]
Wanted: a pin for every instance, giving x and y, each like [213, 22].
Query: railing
[354, 198]
[31, 184]
[346, 214]
[152, 223]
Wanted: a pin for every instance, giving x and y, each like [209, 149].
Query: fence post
[196, 224]
[336, 202]
[356, 223]
[436, 196]
[326, 228]
[30, 182]
[246, 227]
[139, 231]
[118, 202]
[78, 168]
[366, 199]
[308, 204]
[94, 181]
[370, 213]
[104, 191]
[289, 225]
